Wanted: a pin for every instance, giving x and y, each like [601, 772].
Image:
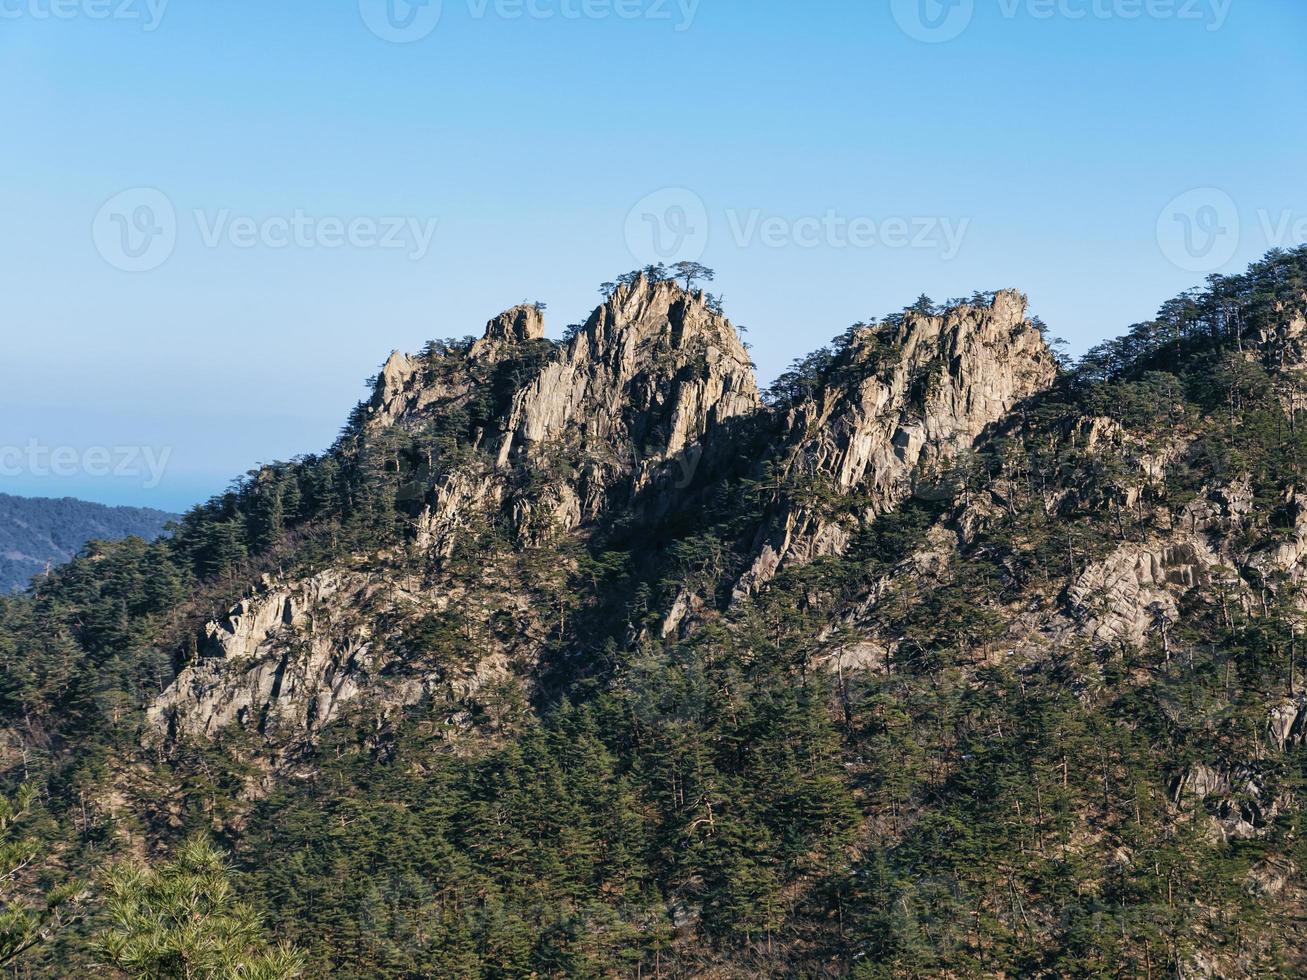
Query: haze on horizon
[329, 183]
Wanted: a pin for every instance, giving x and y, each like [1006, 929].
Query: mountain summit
[650, 401]
[941, 656]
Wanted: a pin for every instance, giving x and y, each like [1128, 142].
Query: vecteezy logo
[136, 231]
[401, 21]
[671, 224]
[1199, 231]
[933, 21]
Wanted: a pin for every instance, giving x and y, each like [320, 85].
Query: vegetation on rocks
[1019, 693]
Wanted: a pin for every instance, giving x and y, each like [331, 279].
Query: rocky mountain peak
[651, 371]
[977, 362]
[519, 325]
[660, 310]
[900, 401]
[925, 386]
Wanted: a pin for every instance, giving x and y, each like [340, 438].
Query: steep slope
[582, 659]
[902, 401]
[560, 439]
[615, 424]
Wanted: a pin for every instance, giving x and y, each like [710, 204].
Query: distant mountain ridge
[39, 531]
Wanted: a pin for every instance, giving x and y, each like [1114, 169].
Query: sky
[219, 218]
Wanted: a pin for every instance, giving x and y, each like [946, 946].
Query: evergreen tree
[27, 920]
[182, 920]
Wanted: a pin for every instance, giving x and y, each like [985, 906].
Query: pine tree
[27, 921]
[182, 920]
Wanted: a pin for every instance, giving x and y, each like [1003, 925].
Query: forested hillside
[36, 532]
[943, 657]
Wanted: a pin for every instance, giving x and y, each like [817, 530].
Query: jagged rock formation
[906, 402]
[583, 658]
[295, 656]
[632, 397]
[628, 409]
[653, 370]
[625, 406]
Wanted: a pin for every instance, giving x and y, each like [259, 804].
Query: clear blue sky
[1051, 144]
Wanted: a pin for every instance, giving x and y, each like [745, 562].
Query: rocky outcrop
[1286, 727]
[1134, 592]
[1287, 552]
[455, 503]
[520, 325]
[1238, 799]
[900, 403]
[276, 660]
[413, 388]
[628, 403]
[295, 656]
[650, 374]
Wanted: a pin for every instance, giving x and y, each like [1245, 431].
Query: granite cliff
[941, 656]
[623, 419]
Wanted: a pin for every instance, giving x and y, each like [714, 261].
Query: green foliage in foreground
[27, 921]
[182, 920]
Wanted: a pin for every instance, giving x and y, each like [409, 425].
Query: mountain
[940, 657]
[37, 532]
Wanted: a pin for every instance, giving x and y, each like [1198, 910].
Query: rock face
[277, 659]
[921, 395]
[648, 376]
[1135, 592]
[905, 402]
[295, 656]
[1286, 555]
[1239, 802]
[412, 389]
[520, 325]
[1287, 725]
[619, 416]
